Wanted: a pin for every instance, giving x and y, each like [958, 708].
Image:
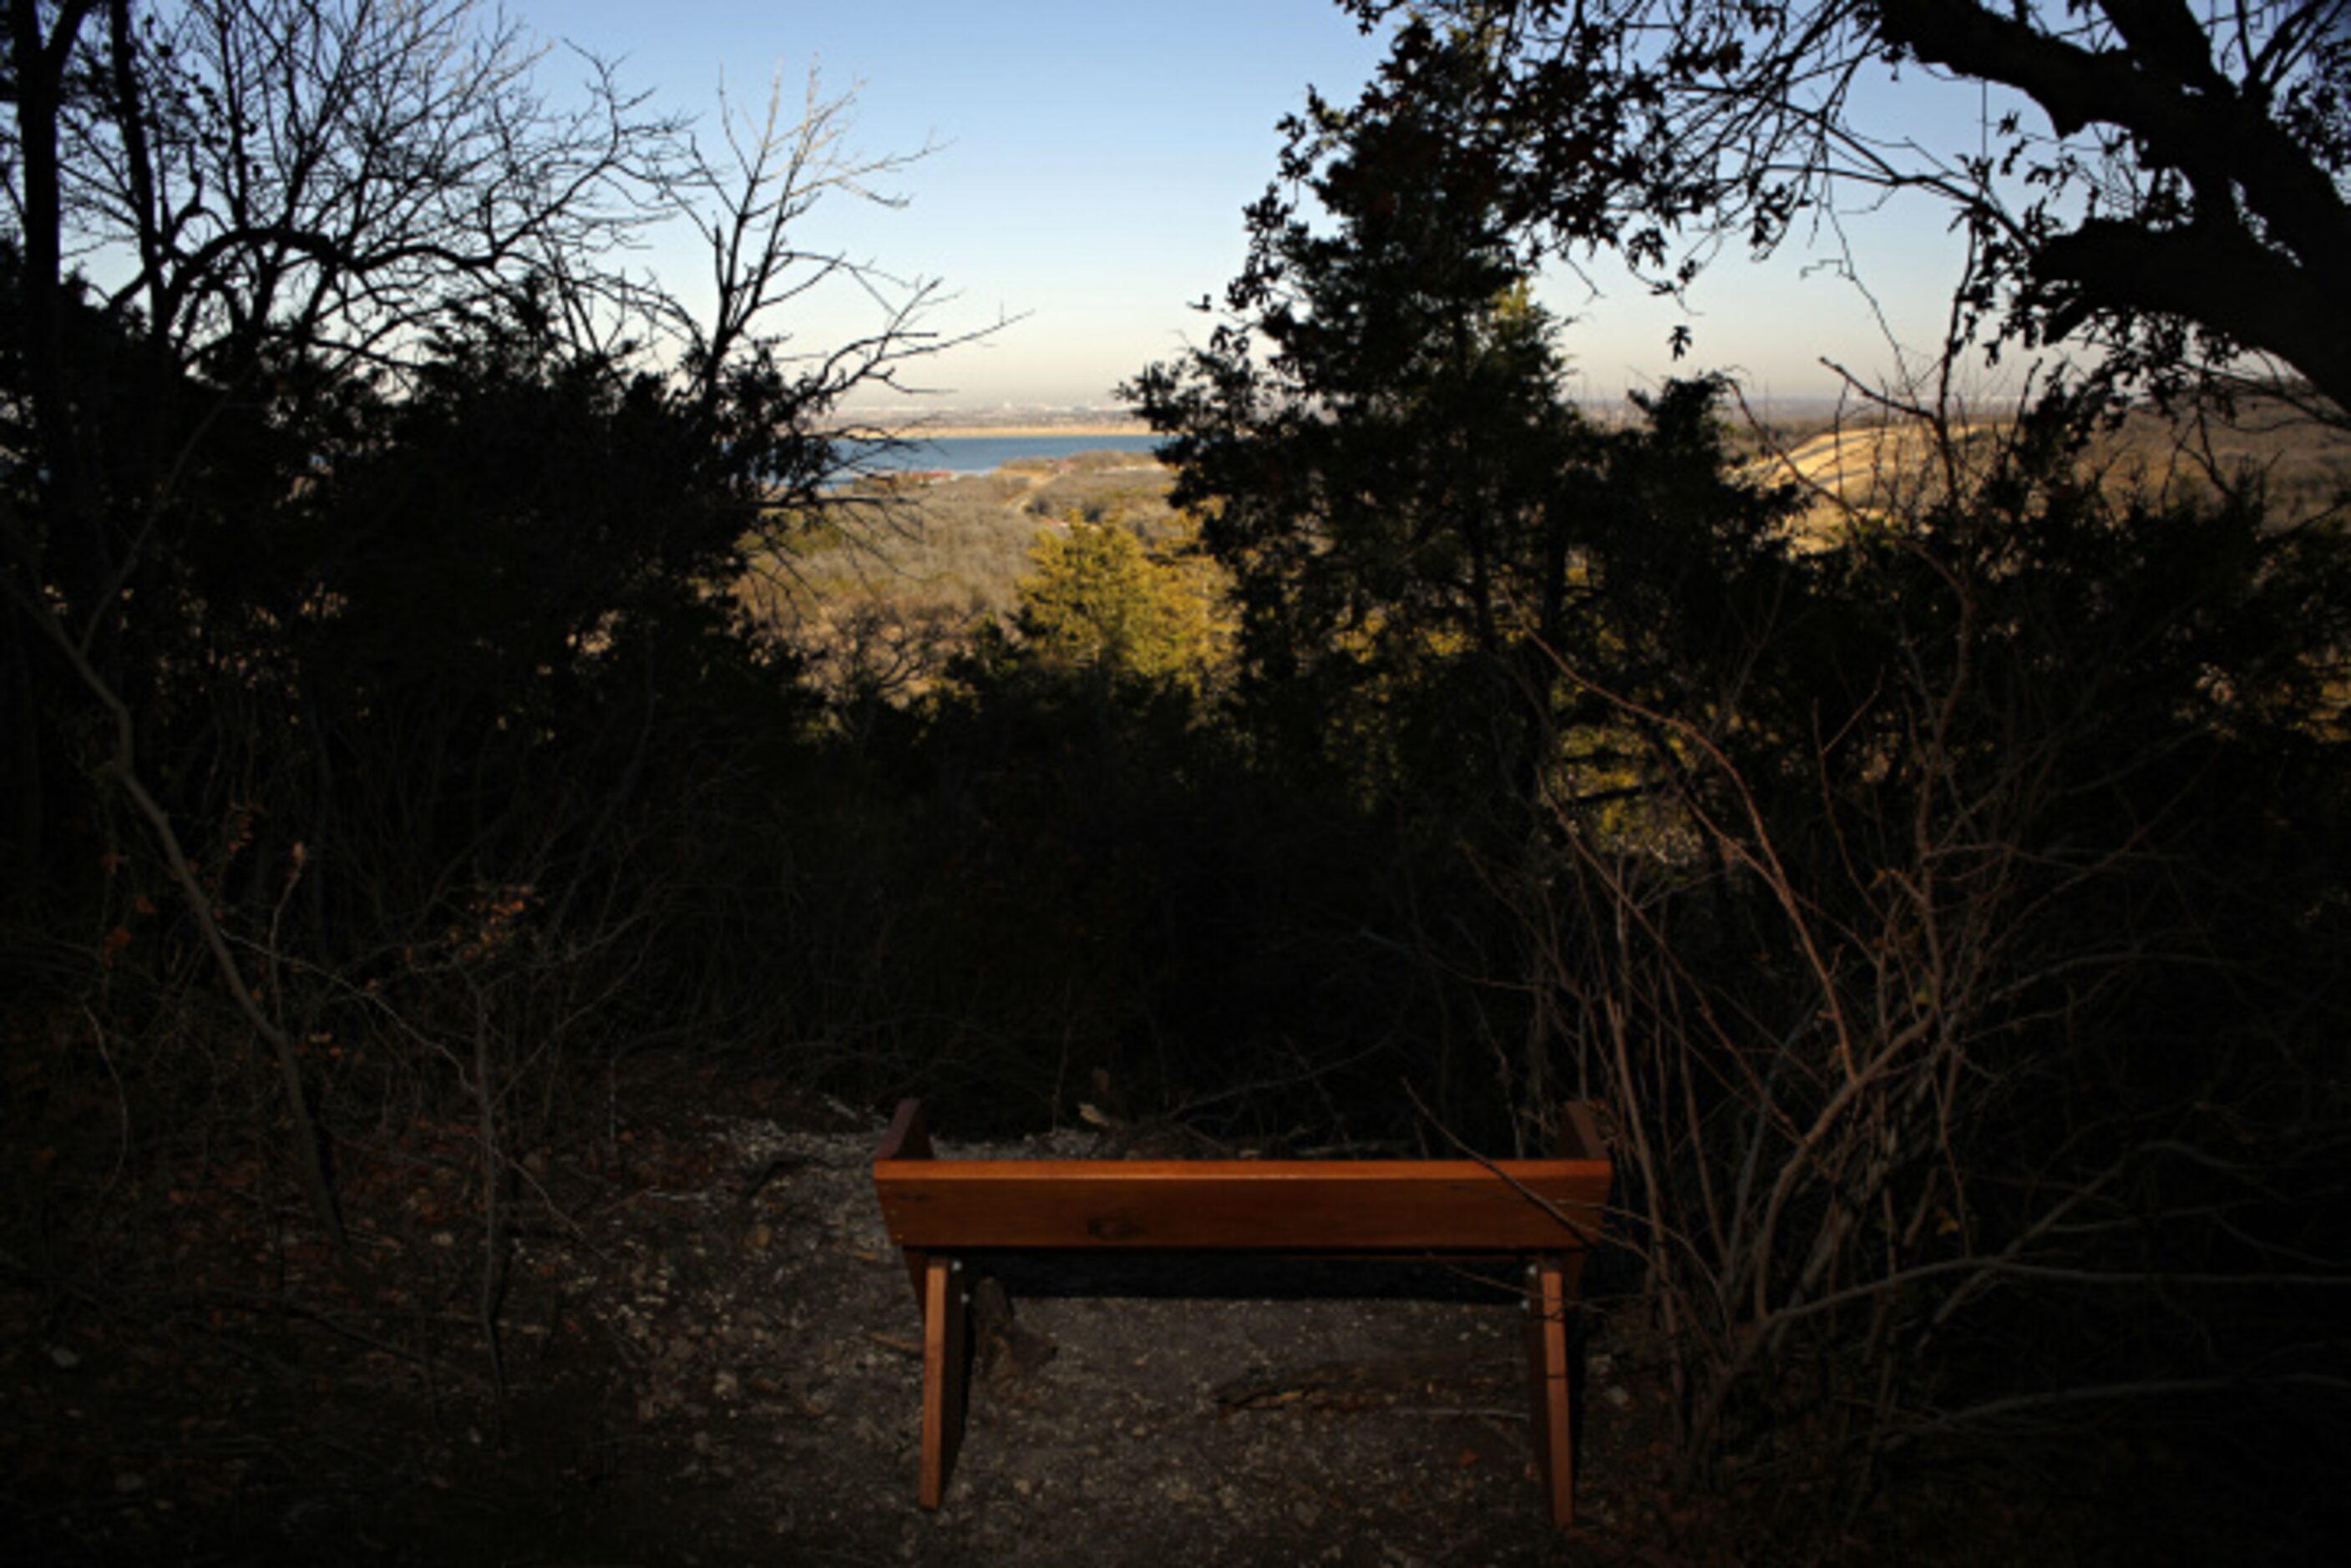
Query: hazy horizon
[1091, 164]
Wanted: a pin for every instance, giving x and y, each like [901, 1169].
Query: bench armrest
[1579, 1132]
[909, 1136]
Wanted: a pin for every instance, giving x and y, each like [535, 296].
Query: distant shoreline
[969, 432]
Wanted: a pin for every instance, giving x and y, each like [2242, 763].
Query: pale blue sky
[1093, 160]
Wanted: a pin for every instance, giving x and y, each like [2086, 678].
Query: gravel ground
[778, 1343]
[708, 1353]
[710, 1356]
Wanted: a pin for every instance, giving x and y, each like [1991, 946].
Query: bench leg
[946, 1372]
[1551, 1282]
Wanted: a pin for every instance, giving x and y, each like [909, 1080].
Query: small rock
[63, 1359]
[726, 1385]
[130, 1481]
[761, 1238]
[1617, 1398]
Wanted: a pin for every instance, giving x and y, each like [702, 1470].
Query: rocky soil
[707, 1353]
[710, 1354]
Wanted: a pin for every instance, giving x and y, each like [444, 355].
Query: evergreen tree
[1100, 610]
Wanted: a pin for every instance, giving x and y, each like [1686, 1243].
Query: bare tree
[254, 241]
[329, 179]
[1907, 996]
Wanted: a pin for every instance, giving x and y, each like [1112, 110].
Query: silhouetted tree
[1917, 886]
[1378, 443]
[2169, 181]
[369, 531]
[1420, 525]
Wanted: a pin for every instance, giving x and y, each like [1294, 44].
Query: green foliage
[1420, 525]
[1933, 900]
[1945, 909]
[1099, 610]
[2163, 183]
[878, 614]
[1377, 484]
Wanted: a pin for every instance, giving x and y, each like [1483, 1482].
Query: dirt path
[711, 1358]
[773, 1343]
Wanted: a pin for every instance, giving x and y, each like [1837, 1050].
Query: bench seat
[1546, 1212]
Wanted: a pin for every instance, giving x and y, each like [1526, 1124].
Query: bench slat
[1547, 1209]
[1435, 1206]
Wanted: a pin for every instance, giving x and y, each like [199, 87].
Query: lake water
[985, 454]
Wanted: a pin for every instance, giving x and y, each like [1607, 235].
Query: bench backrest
[1458, 1206]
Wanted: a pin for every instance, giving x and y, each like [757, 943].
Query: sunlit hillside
[1862, 471]
[880, 601]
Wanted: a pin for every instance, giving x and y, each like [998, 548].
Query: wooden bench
[1545, 1212]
